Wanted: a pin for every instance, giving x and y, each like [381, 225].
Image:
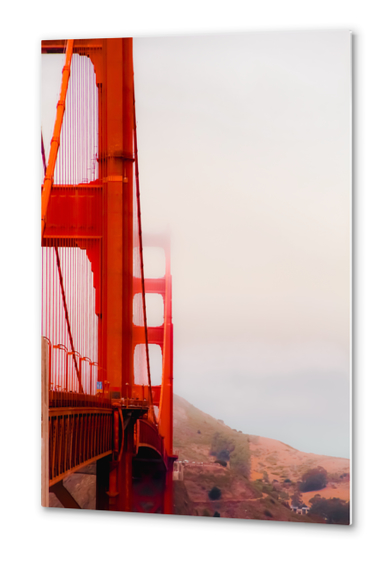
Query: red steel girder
[73, 212]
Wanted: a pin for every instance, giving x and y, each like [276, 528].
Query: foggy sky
[244, 147]
[244, 153]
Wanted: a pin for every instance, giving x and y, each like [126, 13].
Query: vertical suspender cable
[48, 180]
[67, 316]
[63, 295]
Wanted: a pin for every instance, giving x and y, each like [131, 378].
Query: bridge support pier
[114, 478]
[168, 492]
[148, 486]
[124, 470]
[102, 483]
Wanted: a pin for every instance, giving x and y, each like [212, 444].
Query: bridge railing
[76, 438]
[59, 399]
[70, 387]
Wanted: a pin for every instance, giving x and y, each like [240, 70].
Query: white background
[29, 531]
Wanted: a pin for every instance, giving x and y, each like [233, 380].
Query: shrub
[296, 500]
[221, 447]
[335, 511]
[215, 493]
[240, 458]
[216, 514]
[223, 455]
[268, 513]
[315, 479]
[233, 449]
[315, 498]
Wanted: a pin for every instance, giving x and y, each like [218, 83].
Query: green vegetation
[261, 488]
[314, 479]
[315, 498]
[234, 448]
[265, 476]
[333, 511]
[257, 486]
[221, 447]
[296, 499]
[215, 493]
[240, 459]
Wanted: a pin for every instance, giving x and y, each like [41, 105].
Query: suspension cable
[49, 175]
[62, 286]
[141, 247]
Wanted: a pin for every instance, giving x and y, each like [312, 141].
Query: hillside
[260, 477]
[256, 476]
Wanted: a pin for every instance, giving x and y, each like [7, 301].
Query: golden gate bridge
[98, 401]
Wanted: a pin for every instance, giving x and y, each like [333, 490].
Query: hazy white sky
[245, 155]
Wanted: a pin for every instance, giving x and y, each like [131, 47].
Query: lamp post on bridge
[76, 354]
[64, 348]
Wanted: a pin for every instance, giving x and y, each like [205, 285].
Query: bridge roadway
[84, 429]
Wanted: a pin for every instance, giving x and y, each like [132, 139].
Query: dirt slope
[253, 481]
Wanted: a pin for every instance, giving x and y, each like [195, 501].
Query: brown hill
[260, 477]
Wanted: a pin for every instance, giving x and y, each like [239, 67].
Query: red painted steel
[49, 172]
[92, 270]
[78, 436]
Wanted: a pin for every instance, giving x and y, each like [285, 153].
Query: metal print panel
[221, 163]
